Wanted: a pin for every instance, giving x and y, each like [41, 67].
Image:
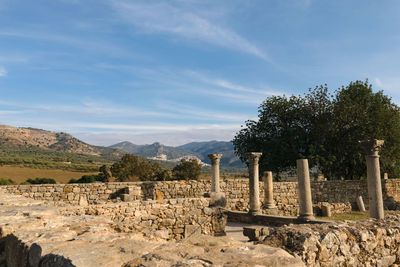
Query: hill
[45, 149]
[14, 137]
[153, 150]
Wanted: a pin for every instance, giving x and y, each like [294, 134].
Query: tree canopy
[325, 128]
[187, 170]
[135, 168]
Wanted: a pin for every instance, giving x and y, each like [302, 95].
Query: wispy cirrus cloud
[219, 82]
[162, 17]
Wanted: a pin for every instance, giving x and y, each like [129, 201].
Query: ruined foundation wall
[168, 219]
[358, 243]
[236, 191]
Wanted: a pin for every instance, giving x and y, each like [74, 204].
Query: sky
[180, 71]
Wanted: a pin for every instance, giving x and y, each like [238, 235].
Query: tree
[134, 168]
[187, 170]
[105, 172]
[325, 128]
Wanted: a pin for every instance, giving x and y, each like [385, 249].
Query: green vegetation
[134, 168]
[187, 170]
[324, 128]
[4, 181]
[40, 181]
[88, 179]
[49, 159]
[350, 216]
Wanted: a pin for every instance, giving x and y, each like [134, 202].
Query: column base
[217, 199]
[304, 218]
[271, 212]
[270, 206]
[254, 212]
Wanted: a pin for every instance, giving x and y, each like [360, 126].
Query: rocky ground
[368, 242]
[34, 234]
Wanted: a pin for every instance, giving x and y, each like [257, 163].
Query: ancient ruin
[371, 148]
[254, 192]
[305, 199]
[269, 191]
[152, 223]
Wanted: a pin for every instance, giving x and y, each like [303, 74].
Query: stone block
[126, 197]
[192, 230]
[217, 199]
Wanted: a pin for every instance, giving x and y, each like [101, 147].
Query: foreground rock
[33, 234]
[351, 243]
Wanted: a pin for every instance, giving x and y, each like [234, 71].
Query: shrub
[40, 181]
[85, 179]
[4, 181]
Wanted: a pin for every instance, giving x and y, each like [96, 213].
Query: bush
[40, 181]
[85, 179]
[4, 181]
[187, 170]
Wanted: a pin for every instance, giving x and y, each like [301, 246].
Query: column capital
[215, 157]
[253, 157]
[371, 147]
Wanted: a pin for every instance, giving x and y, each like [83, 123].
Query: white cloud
[3, 72]
[165, 18]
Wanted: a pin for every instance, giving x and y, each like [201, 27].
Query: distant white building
[191, 157]
[161, 157]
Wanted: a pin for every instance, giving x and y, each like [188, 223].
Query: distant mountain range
[198, 149]
[31, 142]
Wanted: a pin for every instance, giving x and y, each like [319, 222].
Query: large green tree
[187, 170]
[325, 128]
[135, 168]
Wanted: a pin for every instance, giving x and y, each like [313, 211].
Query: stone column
[371, 148]
[269, 191]
[304, 188]
[215, 158]
[360, 203]
[254, 186]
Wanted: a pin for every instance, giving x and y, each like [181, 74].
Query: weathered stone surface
[217, 199]
[342, 195]
[350, 243]
[212, 251]
[33, 234]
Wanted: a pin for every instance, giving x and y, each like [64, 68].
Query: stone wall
[236, 190]
[166, 219]
[349, 243]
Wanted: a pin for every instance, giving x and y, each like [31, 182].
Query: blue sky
[182, 70]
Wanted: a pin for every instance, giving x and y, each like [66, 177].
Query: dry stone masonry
[344, 193]
[349, 243]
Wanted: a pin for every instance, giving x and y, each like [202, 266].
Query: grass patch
[21, 174]
[349, 216]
